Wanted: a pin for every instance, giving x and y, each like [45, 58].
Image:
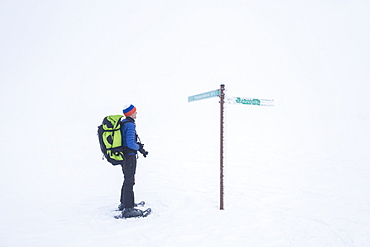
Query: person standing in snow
[130, 148]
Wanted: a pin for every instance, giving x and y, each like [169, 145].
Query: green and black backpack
[110, 139]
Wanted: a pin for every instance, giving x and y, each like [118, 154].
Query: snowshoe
[133, 213]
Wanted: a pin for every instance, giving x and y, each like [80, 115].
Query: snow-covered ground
[296, 174]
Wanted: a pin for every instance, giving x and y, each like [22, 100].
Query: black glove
[142, 150]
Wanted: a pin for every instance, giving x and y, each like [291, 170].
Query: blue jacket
[129, 137]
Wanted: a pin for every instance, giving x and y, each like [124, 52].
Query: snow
[296, 174]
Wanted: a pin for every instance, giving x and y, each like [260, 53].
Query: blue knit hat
[128, 110]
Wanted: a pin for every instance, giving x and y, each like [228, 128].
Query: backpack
[110, 139]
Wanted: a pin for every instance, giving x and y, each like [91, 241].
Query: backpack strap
[126, 120]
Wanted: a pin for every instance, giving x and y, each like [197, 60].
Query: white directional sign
[206, 95]
[250, 101]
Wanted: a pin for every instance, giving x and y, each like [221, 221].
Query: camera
[142, 150]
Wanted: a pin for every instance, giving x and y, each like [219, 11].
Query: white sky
[84, 58]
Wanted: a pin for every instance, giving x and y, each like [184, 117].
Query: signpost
[233, 100]
[222, 100]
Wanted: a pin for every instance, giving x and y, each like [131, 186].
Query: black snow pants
[127, 191]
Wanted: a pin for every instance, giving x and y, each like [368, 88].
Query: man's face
[133, 116]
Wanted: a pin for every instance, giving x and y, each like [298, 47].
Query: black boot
[131, 212]
[140, 204]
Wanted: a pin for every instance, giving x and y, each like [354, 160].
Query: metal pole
[222, 99]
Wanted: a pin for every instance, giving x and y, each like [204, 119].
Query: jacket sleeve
[131, 136]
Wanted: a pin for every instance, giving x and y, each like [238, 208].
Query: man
[130, 148]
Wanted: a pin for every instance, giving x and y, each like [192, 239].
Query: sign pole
[222, 100]
[234, 100]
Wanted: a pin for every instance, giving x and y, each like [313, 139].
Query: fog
[65, 65]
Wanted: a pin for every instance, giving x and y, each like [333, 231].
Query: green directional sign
[250, 101]
[247, 101]
[206, 95]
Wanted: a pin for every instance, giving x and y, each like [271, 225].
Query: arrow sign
[250, 101]
[206, 95]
